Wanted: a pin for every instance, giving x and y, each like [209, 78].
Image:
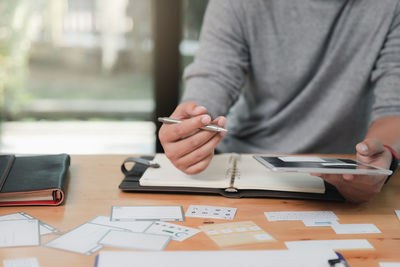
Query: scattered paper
[397, 213]
[44, 228]
[355, 229]
[132, 240]
[136, 226]
[310, 223]
[177, 232]
[321, 216]
[83, 239]
[17, 233]
[389, 264]
[23, 262]
[281, 258]
[200, 211]
[147, 213]
[330, 244]
[236, 233]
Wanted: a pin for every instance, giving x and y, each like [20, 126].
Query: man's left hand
[362, 188]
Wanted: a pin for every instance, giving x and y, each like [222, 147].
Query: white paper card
[16, 233]
[136, 226]
[83, 239]
[301, 215]
[23, 262]
[177, 232]
[135, 240]
[248, 258]
[299, 159]
[389, 264]
[366, 228]
[147, 213]
[330, 244]
[398, 213]
[311, 223]
[213, 212]
[44, 228]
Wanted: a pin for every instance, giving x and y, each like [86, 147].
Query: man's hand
[187, 147]
[362, 188]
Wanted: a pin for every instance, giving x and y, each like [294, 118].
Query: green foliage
[15, 39]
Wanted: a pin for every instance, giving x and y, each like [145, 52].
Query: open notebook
[227, 175]
[231, 172]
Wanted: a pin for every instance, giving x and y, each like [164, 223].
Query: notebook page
[167, 175]
[253, 175]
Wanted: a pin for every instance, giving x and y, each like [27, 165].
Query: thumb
[369, 147]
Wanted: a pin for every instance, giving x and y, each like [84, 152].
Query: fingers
[331, 180]
[199, 166]
[190, 143]
[348, 177]
[355, 188]
[369, 147]
[193, 154]
[191, 163]
[188, 110]
[189, 148]
[175, 132]
[221, 122]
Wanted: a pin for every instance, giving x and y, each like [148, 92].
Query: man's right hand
[186, 146]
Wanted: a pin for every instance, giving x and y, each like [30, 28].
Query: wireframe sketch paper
[147, 213]
[44, 228]
[18, 233]
[136, 226]
[177, 232]
[312, 164]
[355, 228]
[202, 211]
[236, 233]
[301, 216]
[21, 262]
[143, 241]
[345, 244]
[251, 258]
[83, 239]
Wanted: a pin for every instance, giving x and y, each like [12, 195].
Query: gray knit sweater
[297, 76]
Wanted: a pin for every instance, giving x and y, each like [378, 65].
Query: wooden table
[93, 189]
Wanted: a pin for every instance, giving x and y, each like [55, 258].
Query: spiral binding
[233, 173]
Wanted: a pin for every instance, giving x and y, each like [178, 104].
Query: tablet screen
[315, 164]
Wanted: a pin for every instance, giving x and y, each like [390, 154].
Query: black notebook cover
[132, 177]
[33, 180]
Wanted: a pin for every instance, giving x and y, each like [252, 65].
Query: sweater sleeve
[218, 72]
[385, 77]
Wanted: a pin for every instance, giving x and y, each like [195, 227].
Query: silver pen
[209, 127]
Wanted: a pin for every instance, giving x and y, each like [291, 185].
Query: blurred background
[91, 76]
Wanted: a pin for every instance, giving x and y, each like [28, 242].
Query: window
[73, 60]
[77, 76]
[80, 59]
